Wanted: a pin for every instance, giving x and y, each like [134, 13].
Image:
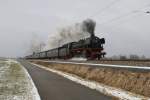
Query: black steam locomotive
[90, 48]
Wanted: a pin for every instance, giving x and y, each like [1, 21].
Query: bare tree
[134, 57]
[123, 57]
[36, 44]
[143, 57]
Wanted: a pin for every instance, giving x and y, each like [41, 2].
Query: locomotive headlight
[102, 40]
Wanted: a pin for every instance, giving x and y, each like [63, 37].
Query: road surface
[54, 87]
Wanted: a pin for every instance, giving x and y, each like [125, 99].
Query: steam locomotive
[90, 48]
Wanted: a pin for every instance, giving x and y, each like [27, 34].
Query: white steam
[71, 33]
[36, 44]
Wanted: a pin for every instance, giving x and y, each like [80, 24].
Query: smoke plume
[71, 33]
[89, 26]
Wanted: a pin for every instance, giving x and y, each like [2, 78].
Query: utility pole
[59, 41]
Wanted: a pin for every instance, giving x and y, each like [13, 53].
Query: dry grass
[131, 63]
[136, 82]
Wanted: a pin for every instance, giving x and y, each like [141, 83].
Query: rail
[100, 65]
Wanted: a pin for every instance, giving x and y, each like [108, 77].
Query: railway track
[99, 65]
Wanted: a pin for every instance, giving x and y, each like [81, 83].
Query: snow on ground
[15, 82]
[78, 59]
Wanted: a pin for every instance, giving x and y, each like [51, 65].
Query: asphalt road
[54, 87]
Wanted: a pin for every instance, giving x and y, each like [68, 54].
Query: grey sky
[20, 19]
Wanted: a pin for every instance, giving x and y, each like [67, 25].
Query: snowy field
[15, 82]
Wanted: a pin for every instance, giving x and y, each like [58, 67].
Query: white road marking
[123, 95]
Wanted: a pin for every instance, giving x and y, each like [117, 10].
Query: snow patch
[78, 59]
[106, 65]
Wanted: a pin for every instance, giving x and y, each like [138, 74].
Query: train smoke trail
[89, 26]
[71, 33]
[36, 44]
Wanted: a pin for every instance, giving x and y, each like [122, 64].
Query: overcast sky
[123, 23]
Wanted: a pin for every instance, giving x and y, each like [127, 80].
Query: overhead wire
[126, 15]
[105, 8]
